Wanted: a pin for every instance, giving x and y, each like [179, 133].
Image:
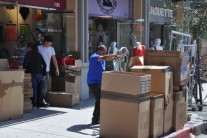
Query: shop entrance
[162, 31]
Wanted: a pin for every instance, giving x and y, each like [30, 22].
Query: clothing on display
[24, 11]
[139, 51]
[156, 45]
[10, 32]
[25, 31]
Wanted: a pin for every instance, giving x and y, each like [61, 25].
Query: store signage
[56, 4]
[161, 11]
[114, 8]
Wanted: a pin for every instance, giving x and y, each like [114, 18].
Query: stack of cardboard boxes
[161, 83]
[125, 105]
[166, 110]
[71, 96]
[28, 93]
[11, 94]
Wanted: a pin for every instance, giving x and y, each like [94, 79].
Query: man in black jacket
[34, 64]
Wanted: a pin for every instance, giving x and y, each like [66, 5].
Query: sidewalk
[53, 122]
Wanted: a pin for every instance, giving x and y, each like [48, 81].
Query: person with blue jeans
[94, 77]
[34, 64]
[48, 54]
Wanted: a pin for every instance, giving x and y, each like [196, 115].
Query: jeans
[36, 81]
[43, 88]
[96, 89]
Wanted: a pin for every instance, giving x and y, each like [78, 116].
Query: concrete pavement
[53, 122]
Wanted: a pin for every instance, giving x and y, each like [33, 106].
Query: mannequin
[139, 51]
[113, 49]
[156, 45]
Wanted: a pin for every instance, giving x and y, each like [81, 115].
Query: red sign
[12, 1]
[56, 4]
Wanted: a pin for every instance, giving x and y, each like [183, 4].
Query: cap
[48, 38]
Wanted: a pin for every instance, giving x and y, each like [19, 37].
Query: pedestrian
[94, 77]
[34, 64]
[156, 45]
[48, 54]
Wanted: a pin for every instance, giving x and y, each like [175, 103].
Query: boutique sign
[157, 11]
[114, 8]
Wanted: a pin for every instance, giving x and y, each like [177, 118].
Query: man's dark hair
[101, 48]
[32, 46]
[48, 38]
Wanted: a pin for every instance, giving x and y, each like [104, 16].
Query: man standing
[94, 78]
[48, 53]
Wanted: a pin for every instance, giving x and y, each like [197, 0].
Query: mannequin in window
[156, 45]
[113, 49]
[139, 51]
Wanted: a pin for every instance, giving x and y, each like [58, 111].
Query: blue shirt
[95, 69]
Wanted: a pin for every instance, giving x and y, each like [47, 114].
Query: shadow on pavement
[27, 117]
[85, 129]
[84, 104]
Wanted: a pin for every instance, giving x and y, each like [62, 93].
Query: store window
[19, 25]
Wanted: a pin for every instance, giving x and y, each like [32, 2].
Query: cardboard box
[73, 87]
[156, 115]
[27, 106]
[163, 74]
[168, 115]
[11, 102]
[11, 76]
[4, 64]
[121, 117]
[62, 99]
[175, 59]
[179, 109]
[125, 83]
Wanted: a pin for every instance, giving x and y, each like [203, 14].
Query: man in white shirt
[48, 53]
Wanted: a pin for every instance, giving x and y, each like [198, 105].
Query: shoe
[43, 104]
[95, 122]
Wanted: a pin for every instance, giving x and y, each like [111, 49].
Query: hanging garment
[24, 12]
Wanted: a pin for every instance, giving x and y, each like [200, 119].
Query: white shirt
[157, 48]
[47, 53]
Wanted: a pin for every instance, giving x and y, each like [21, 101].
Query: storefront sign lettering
[161, 12]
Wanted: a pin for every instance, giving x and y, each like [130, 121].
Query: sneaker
[43, 104]
[95, 122]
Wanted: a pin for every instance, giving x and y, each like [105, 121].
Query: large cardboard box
[125, 83]
[121, 117]
[175, 59]
[11, 101]
[62, 99]
[73, 85]
[156, 115]
[179, 109]
[168, 115]
[11, 76]
[161, 77]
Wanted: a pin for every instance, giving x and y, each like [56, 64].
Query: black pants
[96, 89]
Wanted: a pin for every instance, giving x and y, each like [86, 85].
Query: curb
[194, 128]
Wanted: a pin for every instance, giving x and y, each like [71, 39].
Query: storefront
[159, 19]
[25, 21]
